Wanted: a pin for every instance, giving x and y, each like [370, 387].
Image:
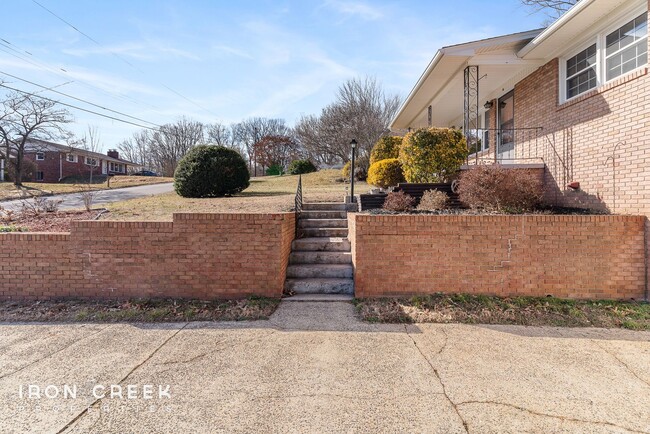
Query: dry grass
[530, 311]
[265, 194]
[30, 189]
[170, 310]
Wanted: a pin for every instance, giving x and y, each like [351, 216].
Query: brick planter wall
[590, 257]
[204, 256]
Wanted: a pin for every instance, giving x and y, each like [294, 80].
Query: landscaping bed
[58, 221]
[165, 310]
[530, 311]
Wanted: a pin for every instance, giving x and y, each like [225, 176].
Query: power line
[80, 108]
[80, 99]
[120, 57]
[40, 65]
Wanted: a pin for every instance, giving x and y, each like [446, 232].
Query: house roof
[38, 145]
[500, 59]
[441, 84]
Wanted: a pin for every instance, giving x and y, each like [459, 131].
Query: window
[486, 133]
[581, 74]
[71, 158]
[627, 47]
[40, 156]
[91, 161]
[617, 51]
[39, 176]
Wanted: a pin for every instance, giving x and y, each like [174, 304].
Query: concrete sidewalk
[315, 368]
[75, 200]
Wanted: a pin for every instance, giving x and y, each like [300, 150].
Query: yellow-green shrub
[385, 148]
[432, 154]
[385, 173]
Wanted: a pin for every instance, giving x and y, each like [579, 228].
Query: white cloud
[355, 8]
[231, 51]
[148, 51]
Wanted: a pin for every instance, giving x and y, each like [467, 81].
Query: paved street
[74, 200]
[314, 368]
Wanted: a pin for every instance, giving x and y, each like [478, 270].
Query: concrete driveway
[74, 200]
[314, 368]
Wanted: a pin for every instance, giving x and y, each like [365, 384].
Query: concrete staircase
[320, 261]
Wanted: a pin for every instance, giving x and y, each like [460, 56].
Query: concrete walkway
[74, 200]
[314, 368]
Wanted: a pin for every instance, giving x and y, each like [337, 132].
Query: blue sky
[232, 59]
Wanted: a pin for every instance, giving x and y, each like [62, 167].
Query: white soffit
[571, 27]
[442, 81]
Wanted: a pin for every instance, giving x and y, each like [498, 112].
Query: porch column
[471, 119]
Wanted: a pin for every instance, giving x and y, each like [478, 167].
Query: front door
[506, 123]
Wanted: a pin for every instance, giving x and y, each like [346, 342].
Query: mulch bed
[161, 310]
[48, 221]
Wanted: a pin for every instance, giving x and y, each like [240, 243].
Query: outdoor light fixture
[353, 144]
[503, 104]
[488, 105]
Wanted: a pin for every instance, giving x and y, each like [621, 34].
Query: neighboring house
[55, 162]
[573, 98]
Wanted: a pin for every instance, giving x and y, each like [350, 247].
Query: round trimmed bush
[385, 173]
[385, 148]
[298, 167]
[432, 154]
[211, 171]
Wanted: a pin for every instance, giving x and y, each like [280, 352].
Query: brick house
[572, 99]
[54, 162]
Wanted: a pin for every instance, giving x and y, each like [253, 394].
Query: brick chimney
[113, 153]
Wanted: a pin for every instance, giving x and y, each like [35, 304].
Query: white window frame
[89, 161]
[603, 40]
[73, 160]
[40, 156]
[600, 39]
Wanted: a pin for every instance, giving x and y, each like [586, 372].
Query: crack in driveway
[98, 400]
[554, 416]
[53, 353]
[437, 374]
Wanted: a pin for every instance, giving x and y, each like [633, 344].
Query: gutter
[557, 25]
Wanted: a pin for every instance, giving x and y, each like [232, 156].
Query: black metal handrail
[298, 202]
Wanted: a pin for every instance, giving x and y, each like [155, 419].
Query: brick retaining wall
[204, 256]
[590, 257]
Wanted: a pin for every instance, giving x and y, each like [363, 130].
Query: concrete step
[320, 298]
[323, 223]
[333, 244]
[322, 232]
[319, 286]
[324, 206]
[323, 214]
[339, 271]
[298, 257]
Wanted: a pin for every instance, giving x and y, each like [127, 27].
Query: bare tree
[168, 145]
[24, 117]
[361, 111]
[136, 149]
[553, 8]
[276, 151]
[252, 130]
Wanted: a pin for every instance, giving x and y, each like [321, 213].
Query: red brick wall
[204, 256]
[595, 257]
[581, 136]
[51, 166]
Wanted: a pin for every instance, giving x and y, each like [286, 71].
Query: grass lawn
[265, 194]
[253, 308]
[10, 191]
[530, 311]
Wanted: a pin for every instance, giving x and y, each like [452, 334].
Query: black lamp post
[353, 144]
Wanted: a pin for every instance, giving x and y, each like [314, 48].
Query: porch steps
[321, 258]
